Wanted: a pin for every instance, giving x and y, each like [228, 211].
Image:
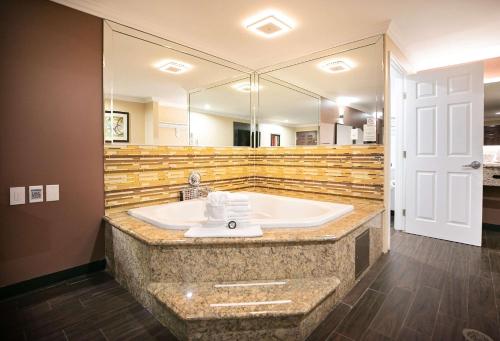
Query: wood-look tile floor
[424, 289]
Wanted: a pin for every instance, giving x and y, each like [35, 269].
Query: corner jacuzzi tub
[269, 211]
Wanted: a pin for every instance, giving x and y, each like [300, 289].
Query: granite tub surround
[364, 210]
[159, 269]
[218, 288]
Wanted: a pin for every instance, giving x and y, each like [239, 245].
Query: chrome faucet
[195, 191]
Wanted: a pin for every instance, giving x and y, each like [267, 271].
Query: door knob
[473, 165]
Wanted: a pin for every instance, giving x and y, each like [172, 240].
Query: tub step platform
[288, 309]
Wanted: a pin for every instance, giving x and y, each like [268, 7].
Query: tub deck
[364, 210]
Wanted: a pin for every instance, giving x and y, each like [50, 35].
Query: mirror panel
[160, 93]
[346, 83]
[288, 115]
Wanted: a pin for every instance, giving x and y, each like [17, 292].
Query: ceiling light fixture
[497, 113]
[242, 86]
[173, 66]
[269, 24]
[335, 66]
[345, 101]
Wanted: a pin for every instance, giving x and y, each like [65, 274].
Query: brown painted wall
[50, 133]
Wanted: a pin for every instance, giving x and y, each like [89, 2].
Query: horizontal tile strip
[144, 175]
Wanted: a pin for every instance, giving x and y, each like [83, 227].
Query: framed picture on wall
[116, 126]
[275, 140]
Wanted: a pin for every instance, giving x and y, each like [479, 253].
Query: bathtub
[270, 211]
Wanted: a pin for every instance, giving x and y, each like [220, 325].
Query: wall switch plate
[17, 195]
[35, 193]
[52, 193]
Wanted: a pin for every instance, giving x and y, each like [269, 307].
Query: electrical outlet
[17, 195]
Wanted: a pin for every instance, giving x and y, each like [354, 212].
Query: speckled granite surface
[226, 300]
[364, 210]
[489, 171]
[143, 257]
[245, 310]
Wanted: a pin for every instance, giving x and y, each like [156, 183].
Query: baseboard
[42, 281]
[491, 226]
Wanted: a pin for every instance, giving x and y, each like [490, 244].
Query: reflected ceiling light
[245, 86]
[173, 66]
[497, 113]
[206, 106]
[335, 65]
[269, 24]
[242, 86]
[345, 101]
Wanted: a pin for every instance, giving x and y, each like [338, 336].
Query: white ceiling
[431, 33]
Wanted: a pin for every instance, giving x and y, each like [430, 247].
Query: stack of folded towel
[238, 209]
[223, 208]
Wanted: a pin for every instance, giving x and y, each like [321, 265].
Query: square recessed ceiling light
[173, 66]
[269, 24]
[334, 66]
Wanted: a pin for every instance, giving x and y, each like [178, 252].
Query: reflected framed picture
[116, 126]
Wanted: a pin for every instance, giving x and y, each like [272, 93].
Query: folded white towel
[217, 197]
[238, 209]
[224, 232]
[236, 197]
[237, 218]
[215, 211]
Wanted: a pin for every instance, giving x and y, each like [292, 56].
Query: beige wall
[287, 134]
[137, 118]
[173, 126]
[211, 130]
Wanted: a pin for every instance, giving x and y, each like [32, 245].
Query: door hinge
[404, 95]
[404, 212]
[404, 154]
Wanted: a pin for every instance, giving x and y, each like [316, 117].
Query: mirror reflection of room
[159, 95]
[330, 98]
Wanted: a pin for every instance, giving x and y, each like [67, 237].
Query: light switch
[17, 195]
[35, 193]
[52, 193]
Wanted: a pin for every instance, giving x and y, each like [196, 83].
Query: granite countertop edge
[295, 237]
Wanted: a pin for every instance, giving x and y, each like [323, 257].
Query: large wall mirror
[334, 97]
[157, 92]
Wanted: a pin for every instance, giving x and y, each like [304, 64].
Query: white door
[444, 132]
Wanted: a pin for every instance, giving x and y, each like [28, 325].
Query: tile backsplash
[147, 175]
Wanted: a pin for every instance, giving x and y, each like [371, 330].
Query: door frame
[399, 191]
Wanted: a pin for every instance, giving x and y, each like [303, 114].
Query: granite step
[265, 309]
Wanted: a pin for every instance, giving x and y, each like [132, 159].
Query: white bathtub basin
[270, 211]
